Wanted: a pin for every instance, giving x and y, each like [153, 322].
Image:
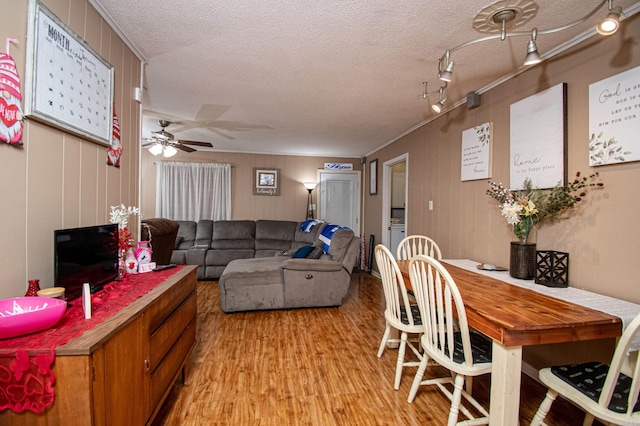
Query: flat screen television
[85, 255]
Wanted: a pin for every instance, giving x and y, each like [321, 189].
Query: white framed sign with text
[539, 138]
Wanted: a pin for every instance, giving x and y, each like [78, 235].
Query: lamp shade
[170, 151]
[309, 185]
[156, 149]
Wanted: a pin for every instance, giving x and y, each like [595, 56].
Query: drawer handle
[146, 364]
[308, 276]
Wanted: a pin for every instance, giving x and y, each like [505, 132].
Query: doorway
[395, 178]
[339, 198]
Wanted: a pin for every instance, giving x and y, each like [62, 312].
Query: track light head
[532, 57]
[447, 74]
[610, 24]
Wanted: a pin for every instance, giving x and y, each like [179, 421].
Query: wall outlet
[430, 204]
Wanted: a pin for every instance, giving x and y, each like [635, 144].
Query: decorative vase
[122, 264]
[523, 260]
[34, 287]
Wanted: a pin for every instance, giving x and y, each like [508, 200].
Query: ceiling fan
[163, 142]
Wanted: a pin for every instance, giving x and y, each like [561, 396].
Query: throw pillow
[302, 252]
[315, 253]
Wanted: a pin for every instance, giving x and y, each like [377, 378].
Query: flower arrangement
[120, 215]
[529, 206]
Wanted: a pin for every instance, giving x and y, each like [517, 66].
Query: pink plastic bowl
[25, 315]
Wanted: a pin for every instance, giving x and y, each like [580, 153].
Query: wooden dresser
[121, 371]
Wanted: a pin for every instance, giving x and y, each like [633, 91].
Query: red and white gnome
[115, 150]
[10, 102]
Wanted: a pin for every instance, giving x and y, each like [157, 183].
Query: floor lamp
[310, 186]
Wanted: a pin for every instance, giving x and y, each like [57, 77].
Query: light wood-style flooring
[313, 367]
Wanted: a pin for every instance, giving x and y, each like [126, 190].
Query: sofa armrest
[317, 265]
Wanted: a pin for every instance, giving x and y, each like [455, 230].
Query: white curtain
[193, 191]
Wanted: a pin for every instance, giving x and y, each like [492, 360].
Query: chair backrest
[441, 309]
[625, 360]
[395, 291]
[417, 244]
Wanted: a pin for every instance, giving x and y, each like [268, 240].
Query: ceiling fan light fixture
[169, 151]
[156, 149]
[610, 24]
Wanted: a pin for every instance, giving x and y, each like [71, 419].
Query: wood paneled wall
[59, 180]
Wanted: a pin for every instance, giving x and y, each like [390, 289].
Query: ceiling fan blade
[196, 143]
[183, 147]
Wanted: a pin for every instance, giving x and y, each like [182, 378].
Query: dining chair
[607, 392]
[463, 352]
[399, 313]
[417, 244]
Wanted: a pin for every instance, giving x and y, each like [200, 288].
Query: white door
[339, 198]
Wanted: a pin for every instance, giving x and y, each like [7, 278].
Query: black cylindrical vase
[523, 260]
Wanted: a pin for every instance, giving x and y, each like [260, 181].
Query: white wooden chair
[446, 337]
[399, 313]
[607, 392]
[417, 244]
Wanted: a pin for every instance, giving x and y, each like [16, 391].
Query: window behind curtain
[193, 191]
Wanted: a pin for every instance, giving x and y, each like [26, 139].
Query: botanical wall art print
[614, 119]
[539, 139]
[266, 181]
[476, 152]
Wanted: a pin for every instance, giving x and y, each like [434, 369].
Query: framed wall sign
[614, 119]
[68, 84]
[539, 138]
[266, 181]
[373, 177]
[476, 153]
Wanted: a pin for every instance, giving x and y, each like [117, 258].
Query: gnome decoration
[113, 153]
[10, 101]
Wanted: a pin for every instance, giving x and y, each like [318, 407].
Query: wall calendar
[68, 84]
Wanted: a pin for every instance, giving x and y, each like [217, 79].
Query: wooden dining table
[514, 317]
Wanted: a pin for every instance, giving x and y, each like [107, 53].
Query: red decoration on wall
[10, 102]
[114, 152]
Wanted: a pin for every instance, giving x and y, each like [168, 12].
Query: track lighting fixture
[532, 57]
[495, 18]
[437, 107]
[611, 22]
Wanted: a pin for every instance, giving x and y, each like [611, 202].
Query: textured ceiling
[337, 78]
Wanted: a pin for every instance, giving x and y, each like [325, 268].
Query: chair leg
[544, 408]
[385, 337]
[418, 378]
[401, 351]
[588, 419]
[455, 400]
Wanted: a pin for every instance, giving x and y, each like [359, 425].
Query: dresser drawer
[165, 373]
[163, 308]
[170, 330]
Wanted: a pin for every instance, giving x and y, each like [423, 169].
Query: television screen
[85, 255]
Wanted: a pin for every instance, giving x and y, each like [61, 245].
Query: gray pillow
[315, 253]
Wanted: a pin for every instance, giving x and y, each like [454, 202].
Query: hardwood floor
[313, 367]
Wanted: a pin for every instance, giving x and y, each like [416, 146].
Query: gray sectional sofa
[252, 261]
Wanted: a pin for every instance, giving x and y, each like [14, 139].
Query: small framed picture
[266, 181]
[373, 177]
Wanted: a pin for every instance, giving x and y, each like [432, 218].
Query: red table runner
[26, 379]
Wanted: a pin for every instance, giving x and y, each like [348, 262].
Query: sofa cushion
[274, 234]
[234, 234]
[187, 233]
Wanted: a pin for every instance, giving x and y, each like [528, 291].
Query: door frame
[386, 196]
[356, 193]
